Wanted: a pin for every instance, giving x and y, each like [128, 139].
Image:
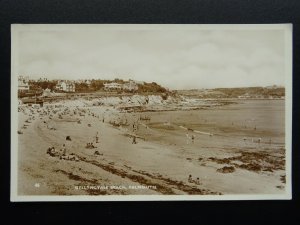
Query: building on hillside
[88, 83]
[274, 87]
[42, 79]
[245, 96]
[130, 86]
[112, 86]
[47, 93]
[66, 86]
[23, 84]
[84, 81]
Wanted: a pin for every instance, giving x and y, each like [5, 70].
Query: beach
[146, 145]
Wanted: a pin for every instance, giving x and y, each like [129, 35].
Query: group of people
[62, 154]
[90, 145]
[95, 139]
[191, 180]
[53, 152]
[254, 140]
[188, 138]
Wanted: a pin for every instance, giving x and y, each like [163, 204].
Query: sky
[175, 57]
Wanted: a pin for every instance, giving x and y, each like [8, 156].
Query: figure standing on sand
[97, 138]
[64, 149]
[187, 137]
[190, 179]
[133, 140]
[193, 138]
[259, 140]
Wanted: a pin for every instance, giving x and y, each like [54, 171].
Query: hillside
[243, 93]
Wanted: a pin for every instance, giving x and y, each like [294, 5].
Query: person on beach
[90, 145]
[51, 151]
[197, 181]
[190, 179]
[64, 149]
[193, 138]
[133, 140]
[97, 138]
[187, 138]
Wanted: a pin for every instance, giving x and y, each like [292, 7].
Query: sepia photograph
[111, 112]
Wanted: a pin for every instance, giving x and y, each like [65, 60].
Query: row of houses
[128, 86]
[69, 86]
[66, 86]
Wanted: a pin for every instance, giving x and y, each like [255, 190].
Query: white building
[23, 83]
[66, 86]
[245, 96]
[130, 86]
[112, 86]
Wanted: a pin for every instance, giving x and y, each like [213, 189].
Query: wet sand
[237, 149]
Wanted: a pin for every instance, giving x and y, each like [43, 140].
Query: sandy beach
[138, 145]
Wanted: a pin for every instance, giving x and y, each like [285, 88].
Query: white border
[16, 28]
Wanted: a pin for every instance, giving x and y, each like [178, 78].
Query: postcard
[148, 112]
